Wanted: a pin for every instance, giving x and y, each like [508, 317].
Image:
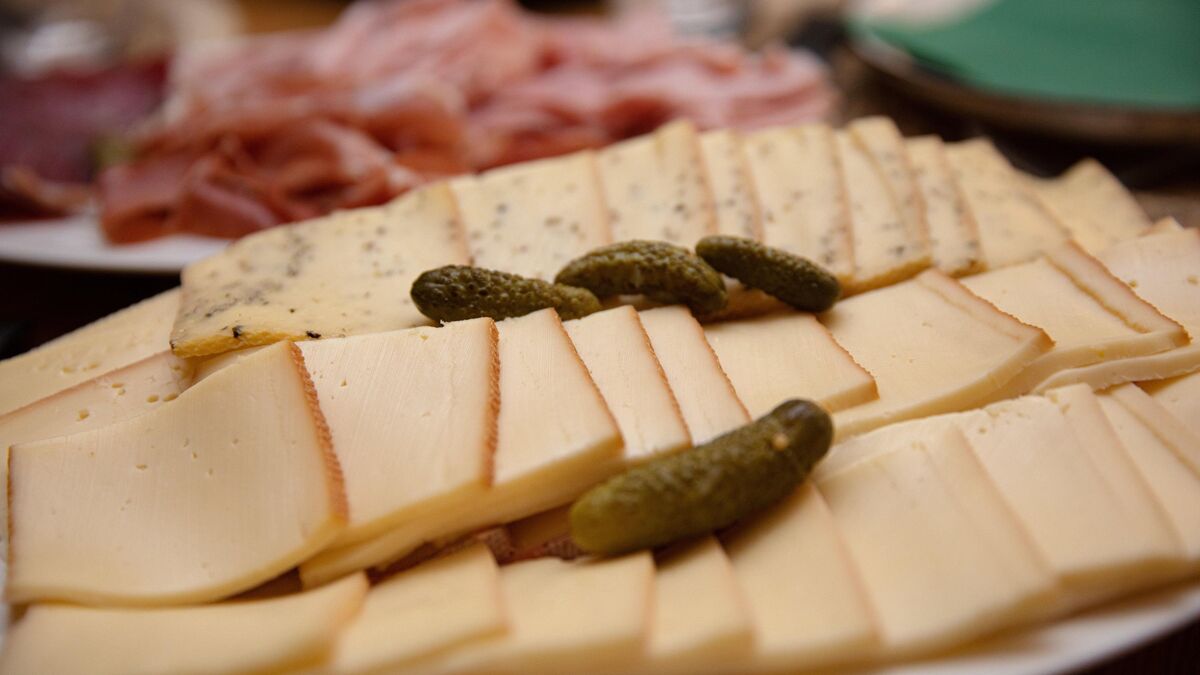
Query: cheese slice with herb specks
[736, 203]
[347, 273]
[953, 233]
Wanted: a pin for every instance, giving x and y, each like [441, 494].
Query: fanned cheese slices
[1095, 207]
[776, 358]
[656, 188]
[413, 419]
[320, 278]
[229, 485]
[953, 233]
[932, 347]
[256, 636]
[128, 336]
[533, 218]
[1180, 396]
[734, 198]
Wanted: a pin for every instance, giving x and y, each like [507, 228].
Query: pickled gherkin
[459, 292]
[796, 281]
[661, 271]
[706, 488]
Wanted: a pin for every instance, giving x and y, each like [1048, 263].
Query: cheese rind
[118, 340]
[257, 636]
[1092, 203]
[413, 418]
[734, 198]
[706, 397]
[953, 233]
[775, 358]
[348, 273]
[229, 485]
[618, 355]
[533, 218]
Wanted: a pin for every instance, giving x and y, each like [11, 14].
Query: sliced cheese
[775, 358]
[1163, 226]
[347, 273]
[413, 419]
[801, 195]
[953, 233]
[117, 340]
[1014, 225]
[555, 438]
[533, 218]
[588, 615]
[801, 589]
[934, 577]
[656, 187]
[1071, 512]
[709, 404]
[881, 140]
[1174, 485]
[229, 485]
[700, 619]
[932, 347]
[1091, 316]
[1097, 210]
[255, 636]
[735, 201]
[1181, 397]
[1169, 428]
[886, 248]
[427, 610]
[617, 352]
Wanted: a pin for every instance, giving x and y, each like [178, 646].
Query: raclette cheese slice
[347, 273]
[775, 358]
[555, 438]
[1169, 428]
[709, 404]
[229, 485]
[934, 576]
[734, 199]
[801, 588]
[118, 340]
[413, 418]
[1092, 203]
[421, 612]
[953, 233]
[1181, 397]
[533, 218]
[656, 187]
[247, 636]
[618, 355]
[932, 347]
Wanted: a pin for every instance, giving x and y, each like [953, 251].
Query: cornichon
[657, 269]
[797, 281]
[458, 292]
[706, 488]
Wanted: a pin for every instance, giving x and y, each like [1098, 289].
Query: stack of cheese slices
[1013, 381]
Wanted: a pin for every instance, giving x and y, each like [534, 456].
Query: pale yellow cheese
[1170, 429]
[413, 419]
[115, 396]
[700, 619]
[1163, 226]
[802, 591]
[1014, 225]
[880, 138]
[555, 438]
[1091, 316]
[423, 611]
[1072, 514]
[1097, 210]
[1164, 270]
[775, 358]
[347, 273]
[128, 336]
[709, 404]
[1174, 485]
[229, 485]
[617, 352]
[953, 233]
[533, 218]
[582, 616]
[734, 198]
[656, 187]
[257, 636]
[932, 347]
[887, 246]
[800, 193]
[1181, 397]
[933, 576]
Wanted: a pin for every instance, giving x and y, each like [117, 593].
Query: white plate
[76, 243]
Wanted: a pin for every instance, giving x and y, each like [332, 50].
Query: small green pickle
[662, 271]
[796, 281]
[460, 292]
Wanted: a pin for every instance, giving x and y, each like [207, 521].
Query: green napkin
[1139, 53]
